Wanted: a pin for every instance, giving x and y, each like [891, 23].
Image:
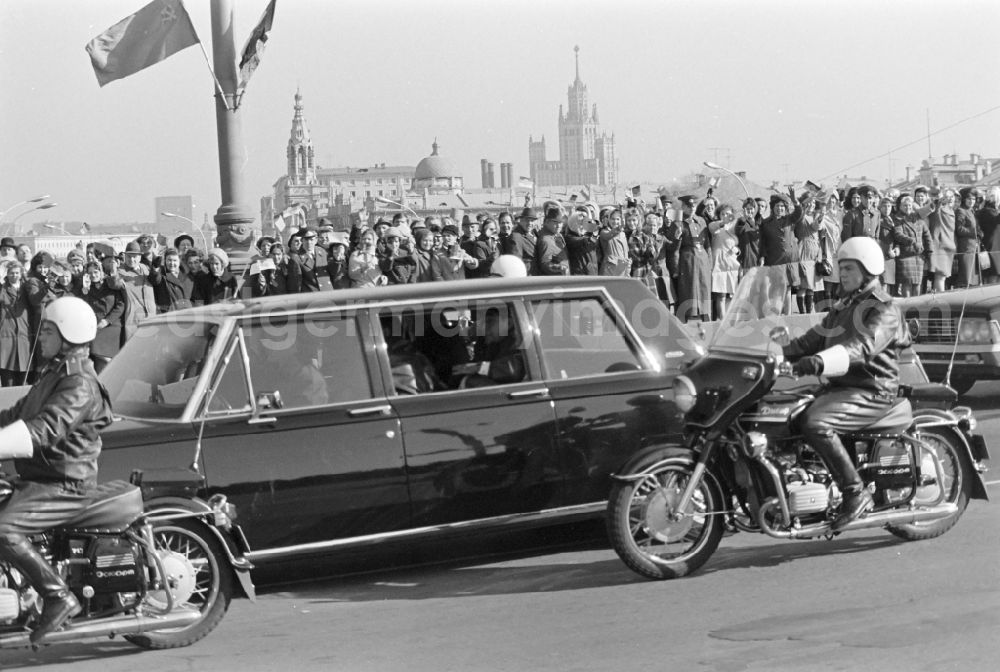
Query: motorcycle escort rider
[856, 347]
[53, 436]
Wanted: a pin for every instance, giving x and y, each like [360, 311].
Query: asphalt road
[866, 601]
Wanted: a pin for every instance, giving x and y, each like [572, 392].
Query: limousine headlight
[685, 394]
[979, 330]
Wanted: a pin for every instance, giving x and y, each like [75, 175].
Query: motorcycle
[161, 578]
[745, 467]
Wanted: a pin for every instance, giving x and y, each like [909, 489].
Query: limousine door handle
[385, 409]
[528, 394]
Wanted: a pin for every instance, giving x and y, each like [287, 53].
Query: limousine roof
[627, 290]
[982, 298]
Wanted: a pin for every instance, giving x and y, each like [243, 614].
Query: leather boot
[58, 604]
[857, 499]
[855, 503]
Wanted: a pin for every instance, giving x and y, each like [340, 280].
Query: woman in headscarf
[363, 267]
[913, 240]
[15, 329]
[941, 223]
[218, 284]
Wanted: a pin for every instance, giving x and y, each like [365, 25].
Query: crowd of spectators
[690, 250]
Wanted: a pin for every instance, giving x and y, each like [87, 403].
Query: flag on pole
[253, 50]
[279, 223]
[525, 183]
[158, 30]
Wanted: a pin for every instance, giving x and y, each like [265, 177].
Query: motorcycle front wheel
[201, 580]
[650, 535]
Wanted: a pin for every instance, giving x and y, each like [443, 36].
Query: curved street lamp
[383, 199]
[43, 206]
[194, 226]
[715, 166]
[36, 199]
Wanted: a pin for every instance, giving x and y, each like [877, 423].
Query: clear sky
[786, 90]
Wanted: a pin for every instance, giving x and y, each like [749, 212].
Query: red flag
[254, 48]
[158, 30]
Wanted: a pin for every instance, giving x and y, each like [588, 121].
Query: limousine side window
[580, 337]
[306, 360]
[454, 346]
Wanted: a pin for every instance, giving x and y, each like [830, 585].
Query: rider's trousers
[841, 411]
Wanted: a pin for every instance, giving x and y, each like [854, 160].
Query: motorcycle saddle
[897, 419]
[112, 508]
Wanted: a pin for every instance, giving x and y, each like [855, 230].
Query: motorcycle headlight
[685, 394]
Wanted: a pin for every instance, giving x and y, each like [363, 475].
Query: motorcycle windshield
[759, 304]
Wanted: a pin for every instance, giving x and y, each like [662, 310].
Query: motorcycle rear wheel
[213, 583]
[647, 537]
[958, 487]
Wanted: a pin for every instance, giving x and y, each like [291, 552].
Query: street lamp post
[43, 206]
[193, 226]
[715, 166]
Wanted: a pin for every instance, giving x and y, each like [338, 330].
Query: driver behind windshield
[857, 347]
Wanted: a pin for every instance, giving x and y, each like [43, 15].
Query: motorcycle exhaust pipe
[111, 626]
[872, 520]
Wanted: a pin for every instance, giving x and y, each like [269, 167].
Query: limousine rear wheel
[200, 578]
[647, 532]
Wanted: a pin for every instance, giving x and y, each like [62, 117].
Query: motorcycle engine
[10, 605]
[807, 498]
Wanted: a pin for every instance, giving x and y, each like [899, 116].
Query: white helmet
[508, 266]
[864, 250]
[74, 319]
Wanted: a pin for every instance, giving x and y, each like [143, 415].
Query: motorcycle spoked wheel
[957, 485]
[184, 546]
[644, 531]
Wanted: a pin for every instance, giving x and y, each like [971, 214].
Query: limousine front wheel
[651, 536]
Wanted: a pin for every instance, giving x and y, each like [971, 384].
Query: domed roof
[434, 166]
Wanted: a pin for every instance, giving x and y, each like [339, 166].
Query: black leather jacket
[65, 412]
[870, 327]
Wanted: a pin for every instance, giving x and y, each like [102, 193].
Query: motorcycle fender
[235, 552]
[965, 452]
[630, 470]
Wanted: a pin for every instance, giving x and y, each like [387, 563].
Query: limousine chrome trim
[577, 510]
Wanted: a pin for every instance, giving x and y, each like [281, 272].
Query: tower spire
[576, 54]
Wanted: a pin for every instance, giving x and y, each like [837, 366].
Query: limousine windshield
[155, 374]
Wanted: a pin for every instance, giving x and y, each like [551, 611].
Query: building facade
[586, 154]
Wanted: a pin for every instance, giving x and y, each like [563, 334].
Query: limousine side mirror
[269, 400]
[780, 336]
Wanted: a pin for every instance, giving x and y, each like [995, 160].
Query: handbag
[985, 262]
[823, 266]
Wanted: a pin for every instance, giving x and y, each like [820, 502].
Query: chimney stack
[510, 175]
[482, 170]
[490, 174]
[503, 176]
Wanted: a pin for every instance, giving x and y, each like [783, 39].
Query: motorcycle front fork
[704, 452]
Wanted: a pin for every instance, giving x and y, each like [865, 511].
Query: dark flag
[253, 50]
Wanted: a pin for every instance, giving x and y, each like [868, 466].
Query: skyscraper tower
[586, 155]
